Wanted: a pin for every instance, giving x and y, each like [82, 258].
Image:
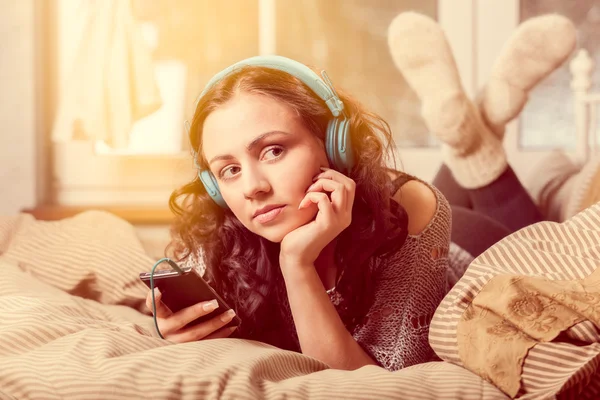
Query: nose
[255, 183]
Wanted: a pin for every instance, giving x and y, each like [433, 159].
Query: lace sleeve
[410, 285]
[196, 261]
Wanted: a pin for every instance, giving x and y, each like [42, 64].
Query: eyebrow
[253, 144]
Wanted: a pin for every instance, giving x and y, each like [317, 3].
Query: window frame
[476, 33]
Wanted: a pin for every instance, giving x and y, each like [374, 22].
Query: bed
[74, 326]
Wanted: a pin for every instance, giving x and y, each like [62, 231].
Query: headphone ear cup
[330, 140]
[338, 145]
[212, 188]
[345, 149]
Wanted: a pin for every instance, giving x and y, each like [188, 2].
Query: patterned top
[411, 283]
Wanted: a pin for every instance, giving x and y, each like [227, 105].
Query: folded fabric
[525, 315]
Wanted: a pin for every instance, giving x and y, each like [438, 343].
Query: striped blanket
[73, 326]
[526, 314]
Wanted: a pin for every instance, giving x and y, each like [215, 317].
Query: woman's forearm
[321, 332]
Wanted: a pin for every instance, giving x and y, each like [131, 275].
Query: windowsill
[133, 215]
[84, 179]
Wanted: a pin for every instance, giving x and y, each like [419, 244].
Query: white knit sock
[482, 164]
[421, 52]
[537, 48]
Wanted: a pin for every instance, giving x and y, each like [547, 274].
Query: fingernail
[156, 292]
[310, 187]
[212, 305]
[228, 316]
[324, 169]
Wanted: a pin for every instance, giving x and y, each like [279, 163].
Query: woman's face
[264, 160]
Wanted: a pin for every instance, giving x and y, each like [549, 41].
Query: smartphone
[181, 290]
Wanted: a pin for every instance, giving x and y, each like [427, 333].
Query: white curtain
[111, 83]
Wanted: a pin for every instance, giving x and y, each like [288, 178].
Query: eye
[273, 153]
[229, 172]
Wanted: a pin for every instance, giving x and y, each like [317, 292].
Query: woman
[296, 228]
[343, 266]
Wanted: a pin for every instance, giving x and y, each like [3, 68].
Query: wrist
[296, 269]
[294, 262]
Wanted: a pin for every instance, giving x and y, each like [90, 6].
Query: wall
[17, 106]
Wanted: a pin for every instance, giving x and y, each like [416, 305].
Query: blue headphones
[338, 143]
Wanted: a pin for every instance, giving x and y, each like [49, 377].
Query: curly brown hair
[244, 267]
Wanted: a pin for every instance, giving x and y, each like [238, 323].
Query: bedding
[526, 314]
[73, 326]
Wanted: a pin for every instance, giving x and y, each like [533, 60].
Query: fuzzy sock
[480, 166]
[537, 48]
[421, 52]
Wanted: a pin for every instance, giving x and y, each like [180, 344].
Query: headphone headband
[322, 87]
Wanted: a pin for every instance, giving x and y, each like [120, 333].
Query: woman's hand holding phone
[172, 325]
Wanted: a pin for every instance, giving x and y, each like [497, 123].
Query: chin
[274, 238]
[274, 234]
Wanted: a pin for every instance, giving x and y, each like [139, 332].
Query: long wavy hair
[244, 267]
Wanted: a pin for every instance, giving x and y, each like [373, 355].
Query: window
[548, 120]
[191, 40]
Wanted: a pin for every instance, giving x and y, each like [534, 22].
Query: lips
[266, 209]
[268, 214]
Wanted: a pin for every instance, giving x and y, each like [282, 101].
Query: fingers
[171, 324]
[204, 329]
[184, 316]
[221, 333]
[339, 193]
[328, 173]
[335, 176]
[322, 202]
[161, 310]
[341, 187]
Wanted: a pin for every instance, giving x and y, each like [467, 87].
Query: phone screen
[187, 289]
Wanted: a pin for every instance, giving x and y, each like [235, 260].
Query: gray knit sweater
[410, 284]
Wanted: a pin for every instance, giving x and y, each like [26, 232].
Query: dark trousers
[483, 216]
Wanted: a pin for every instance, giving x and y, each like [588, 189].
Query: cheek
[292, 185]
[293, 182]
[236, 202]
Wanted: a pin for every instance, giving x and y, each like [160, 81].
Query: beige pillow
[94, 255]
